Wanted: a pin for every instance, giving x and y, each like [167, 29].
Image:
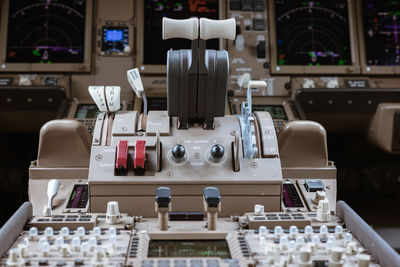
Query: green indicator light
[36, 53]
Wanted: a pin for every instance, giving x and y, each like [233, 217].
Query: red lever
[140, 157]
[121, 164]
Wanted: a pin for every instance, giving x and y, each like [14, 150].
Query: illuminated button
[49, 232]
[247, 5]
[59, 243]
[76, 243]
[278, 231]
[293, 232]
[308, 230]
[85, 247]
[45, 249]
[338, 231]
[235, 5]
[33, 233]
[347, 238]
[259, 5]
[81, 232]
[300, 241]
[292, 245]
[283, 243]
[258, 24]
[97, 232]
[112, 231]
[323, 231]
[64, 232]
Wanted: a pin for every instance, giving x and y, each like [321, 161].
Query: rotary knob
[178, 152]
[217, 152]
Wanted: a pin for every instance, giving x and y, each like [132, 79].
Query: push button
[258, 24]
[235, 5]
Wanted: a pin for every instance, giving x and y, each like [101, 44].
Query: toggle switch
[261, 49]
[163, 206]
[212, 205]
[140, 157]
[121, 162]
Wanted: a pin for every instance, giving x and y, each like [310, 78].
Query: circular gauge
[312, 32]
[46, 31]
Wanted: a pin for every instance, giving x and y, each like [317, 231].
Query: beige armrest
[303, 144]
[64, 143]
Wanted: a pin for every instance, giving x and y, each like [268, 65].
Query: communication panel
[238, 241]
[115, 39]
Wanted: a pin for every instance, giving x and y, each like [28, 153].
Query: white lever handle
[135, 81]
[98, 96]
[210, 29]
[257, 84]
[113, 97]
[52, 190]
[180, 28]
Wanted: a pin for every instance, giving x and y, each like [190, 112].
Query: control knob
[178, 152]
[217, 152]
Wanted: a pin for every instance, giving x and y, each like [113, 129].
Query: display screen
[51, 31]
[276, 111]
[382, 32]
[156, 103]
[154, 48]
[87, 111]
[114, 35]
[312, 33]
[189, 248]
[79, 197]
[115, 39]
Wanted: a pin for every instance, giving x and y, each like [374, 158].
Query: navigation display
[313, 33]
[154, 48]
[51, 31]
[382, 32]
[189, 248]
[87, 111]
